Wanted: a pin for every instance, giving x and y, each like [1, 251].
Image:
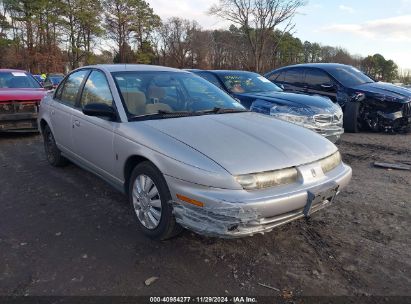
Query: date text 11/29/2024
[239, 299]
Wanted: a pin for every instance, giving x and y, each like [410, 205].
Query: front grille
[17, 107]
[406, 110]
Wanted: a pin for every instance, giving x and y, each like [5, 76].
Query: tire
[53, 154]
[351, 117]
[150, 203]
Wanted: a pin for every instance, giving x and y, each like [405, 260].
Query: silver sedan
[186, 153]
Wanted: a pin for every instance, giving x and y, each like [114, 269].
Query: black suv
[367, 104]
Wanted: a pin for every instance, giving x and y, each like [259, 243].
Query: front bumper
[238, 213]
[18, 122]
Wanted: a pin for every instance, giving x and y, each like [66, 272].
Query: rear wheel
[53, 153]
[351, 117]
[150, 198]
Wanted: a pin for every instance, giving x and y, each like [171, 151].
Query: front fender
[172, 157]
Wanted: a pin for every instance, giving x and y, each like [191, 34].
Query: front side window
[316, 78]
[146, 93]
[96, 90]
[18, 80]
[293, 76]
[71, 87]
[244, 82]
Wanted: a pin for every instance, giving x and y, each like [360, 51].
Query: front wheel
[150, 198]
[351, 117]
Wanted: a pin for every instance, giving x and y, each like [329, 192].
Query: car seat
[135, 102]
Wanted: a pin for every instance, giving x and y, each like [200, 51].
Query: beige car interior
[136, 102]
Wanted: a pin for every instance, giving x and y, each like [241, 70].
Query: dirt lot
[65, 232]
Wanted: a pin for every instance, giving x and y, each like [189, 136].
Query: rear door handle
[76, 123]
[53, 112]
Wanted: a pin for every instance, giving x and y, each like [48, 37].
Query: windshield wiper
[162, 114]
[218, 110]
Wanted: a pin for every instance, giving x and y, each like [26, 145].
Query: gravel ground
[66, 232]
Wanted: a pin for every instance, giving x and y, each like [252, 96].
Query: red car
[20, 96]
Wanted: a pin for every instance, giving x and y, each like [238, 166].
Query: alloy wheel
[146, 201]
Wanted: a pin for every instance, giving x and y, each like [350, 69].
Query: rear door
[93, 136]
[62, 108]
[319, 82]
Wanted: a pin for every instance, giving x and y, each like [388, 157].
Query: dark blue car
[258, 94]
[367, 104]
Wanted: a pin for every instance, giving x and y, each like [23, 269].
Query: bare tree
[176, 41]
[257, 19]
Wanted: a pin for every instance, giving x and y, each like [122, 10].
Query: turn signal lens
[190, 200]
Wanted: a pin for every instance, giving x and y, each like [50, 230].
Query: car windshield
[13, 80]
[349, 76]
[244, 82]
[148, 93]
[56, 79]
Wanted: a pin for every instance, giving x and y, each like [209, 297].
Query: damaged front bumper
[238, 213]
[22, 122]
[18, 117]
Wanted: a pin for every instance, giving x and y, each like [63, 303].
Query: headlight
[330, 162]
[267, 179]
[299, 116]
[299, 111]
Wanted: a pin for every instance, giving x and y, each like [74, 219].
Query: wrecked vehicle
[20, 95]
[367, 104]
[186, 153]
[258, 94]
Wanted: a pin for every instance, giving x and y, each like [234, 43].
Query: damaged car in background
[186, 153]
[258, 94]
[20, 96]
[367, 104]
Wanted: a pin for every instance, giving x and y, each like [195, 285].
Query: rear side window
[293, 76]
[315, 78]
[70, 88]
[96, 90]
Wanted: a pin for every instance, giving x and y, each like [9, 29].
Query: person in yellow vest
[43, 76]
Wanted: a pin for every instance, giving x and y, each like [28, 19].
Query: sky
[363, 27]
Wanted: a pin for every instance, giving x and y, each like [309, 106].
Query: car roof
[325, 66]
[133, 67]
[12, 70]
[229, 71]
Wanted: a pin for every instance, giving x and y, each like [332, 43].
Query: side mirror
[48, 86]
[100, 110]
[281, 86]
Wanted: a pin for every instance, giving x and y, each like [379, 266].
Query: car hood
[395, 93]
[292, 99]
[22, 94]
[246, 142]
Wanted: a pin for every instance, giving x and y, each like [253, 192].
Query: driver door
[93, 136]
[319, 83]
